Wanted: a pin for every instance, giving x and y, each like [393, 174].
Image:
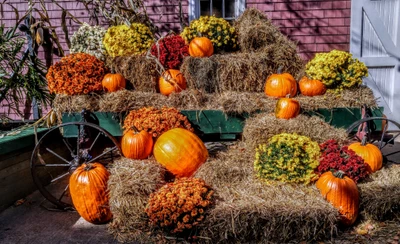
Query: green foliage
[337, 70]
[21, 73]
[287, 158]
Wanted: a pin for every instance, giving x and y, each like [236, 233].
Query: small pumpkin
[113, 82]
[287, 108]
[171, 81]
[280, 85]
[370, 153]
[136, 145]
[342, 193]
[180, 151]
[201, 47]
[309, 87]
[88, 189]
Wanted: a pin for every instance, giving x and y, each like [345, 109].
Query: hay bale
[380, 197]
[191, 99]
[130, 184]
[200, 73]
[241, 72]
[255, 30]
[138, 69]
[263, 126]
[68, 104]
[247, 210]
[351, 98]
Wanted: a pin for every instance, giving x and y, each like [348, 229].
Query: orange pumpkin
[309, 87]
[287, 108]
[370, 153]
[342, 193]
[201, 47]
[113, 82]
[171, 81]
[136, 145]
[280, 85]
[88, 189]
[180, 151]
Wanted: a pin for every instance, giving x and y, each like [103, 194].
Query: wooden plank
[13, 190]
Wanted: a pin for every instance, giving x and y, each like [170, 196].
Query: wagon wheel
[56, 156]
[384, 138]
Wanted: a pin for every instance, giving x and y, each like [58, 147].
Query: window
[227, 9]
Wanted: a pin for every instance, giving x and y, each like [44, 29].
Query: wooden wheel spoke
[94, 141]
[59, 177]
[55, 154]
[52, 165]
[63, 193]
[104, 153]
[68, 146]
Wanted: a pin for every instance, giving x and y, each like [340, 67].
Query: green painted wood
[227, 126]
[344, 117]
[25, 138]
[108, 121]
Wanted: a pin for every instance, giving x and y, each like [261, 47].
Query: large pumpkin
[370, 153]
[201, 47]
[287, 108]
[88, 188]
[136, 145]
[280, 85]
[171, 81]
[180, 151]
[309, 87]
[113, 82]
[342, 193]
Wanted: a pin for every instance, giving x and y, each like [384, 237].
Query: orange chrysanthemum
[75, 74]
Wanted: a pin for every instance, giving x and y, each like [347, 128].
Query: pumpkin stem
[339, 174]
[88, 166]
[134, 129]
[279, 71]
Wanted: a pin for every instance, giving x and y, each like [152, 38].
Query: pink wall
[316, 25]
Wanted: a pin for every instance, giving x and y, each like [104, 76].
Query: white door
[375, 40]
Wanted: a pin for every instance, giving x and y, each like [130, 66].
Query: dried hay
[139, 70]
[201, 73]
[247, 210]
[241, 72]
[380, 197]
[229, 102]
[260, 128]
[130, 184]
[255, 30]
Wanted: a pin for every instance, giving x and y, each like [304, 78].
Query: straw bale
[241, 72]
[380, 197]
[201, 73]
[192, 99]
[260, 128]
[255, 30]
[138, 69]
[352, 97]
[248, 210]
[130, 184]
[68, 104]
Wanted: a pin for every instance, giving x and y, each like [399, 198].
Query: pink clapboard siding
[315, 25]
